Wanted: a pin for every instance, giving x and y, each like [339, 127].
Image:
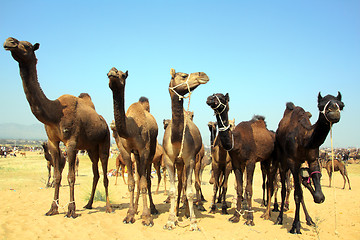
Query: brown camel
[138, 132]
[69, 119]
[182, 142]
[221, 167]
[338, 166]
[158, 164]
[298, 141]
[248, 143]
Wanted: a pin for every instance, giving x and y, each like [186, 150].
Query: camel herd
[75, 122]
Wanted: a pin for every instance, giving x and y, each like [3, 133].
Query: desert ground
[25, 200]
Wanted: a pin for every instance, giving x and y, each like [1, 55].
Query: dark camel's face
[218, 101]
[116, 79]
[331, 106]
[166, 123]
[182, 82]
[22, 51]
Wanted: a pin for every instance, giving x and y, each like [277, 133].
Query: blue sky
[263, 53]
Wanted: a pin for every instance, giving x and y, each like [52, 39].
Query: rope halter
[324, 110]
[224, 128]
[188, 87]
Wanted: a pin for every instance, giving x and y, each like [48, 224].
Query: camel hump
[144, 101]
[290, 106]
[87, 98]
[258, 117]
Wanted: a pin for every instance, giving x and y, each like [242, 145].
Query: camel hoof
[154, 211]
[52, 212]
[201, 208]
[71, 214]
[169, 225]
[234, 219]
[88, 206]
[265, 216]
[224, 211]
[249, 223]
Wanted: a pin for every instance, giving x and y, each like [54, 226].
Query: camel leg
[288, 190]
[264, 165]
[58, 167]
[130, 216]
[216, 176]
[164, 173]
[71, 153]
[158, 173]
[180, 173]
[189, 194]
[298, 197]
[143, 170]
[104, 158]
[270, 182]
[329, 173]
[94, 157]
[239, 191]
[346, 175]
[117, 172]
[224, 190]
[309, 220]
[49, 173]
[123, 173]
[172, 220]
[198, 202]
[248, 191]
[279, 219]
[153, 209]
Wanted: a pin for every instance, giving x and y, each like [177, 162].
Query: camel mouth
[10, 43]
[112, 74]
[203, 80]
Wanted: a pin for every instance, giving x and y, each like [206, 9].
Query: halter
[324, 110]
[223, 129]
[308, 181]
[188, 87]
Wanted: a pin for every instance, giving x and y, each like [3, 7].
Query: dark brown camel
[338, 166]
[181, 142]
[221, 168]
[248, 143]
[298, 141]
[138, 132]
[68, 119]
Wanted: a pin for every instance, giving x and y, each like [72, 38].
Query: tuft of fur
[144, 101]
[258, 117]
[290, 106]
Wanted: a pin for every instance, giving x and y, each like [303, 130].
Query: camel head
[183, 83]
[116, 79]
[330, 107]
[218, 102]
[22, 51]
[166, 123]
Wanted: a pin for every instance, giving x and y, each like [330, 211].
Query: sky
[263, 53]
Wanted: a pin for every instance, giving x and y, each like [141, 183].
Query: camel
[157, 160]
[182, 142]
[248, 143]
[69, 119]
[338, 166]
[298, 141]
[221, 167]
[138, 131]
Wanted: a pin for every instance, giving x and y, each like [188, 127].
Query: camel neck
[177, 125]
[45, 110]
[212, 135]
[119, 112]
[320, 131]
[225, 136]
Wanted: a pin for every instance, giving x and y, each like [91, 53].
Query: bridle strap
[187, 84]
[324, 110]
[308, 181]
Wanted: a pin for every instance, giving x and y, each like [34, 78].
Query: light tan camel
[69, 119]
[182, 142]
[138, 132]
[338, 166]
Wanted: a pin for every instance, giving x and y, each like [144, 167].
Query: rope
[183, 134]
[332, 177]
[62, 207]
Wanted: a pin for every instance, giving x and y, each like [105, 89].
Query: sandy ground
[25, 199]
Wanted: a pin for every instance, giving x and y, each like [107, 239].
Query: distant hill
[19, 131]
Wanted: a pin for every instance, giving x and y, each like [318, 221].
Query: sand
[25, 200]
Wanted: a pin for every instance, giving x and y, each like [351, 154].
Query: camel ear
[339, 96]
[227, 98]
[36, 46]
[126, 74]
[319, 97]
[172, 72]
